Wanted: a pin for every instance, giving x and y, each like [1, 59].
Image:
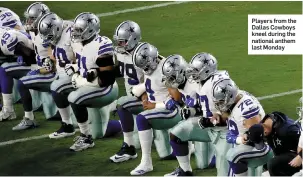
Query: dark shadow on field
[39, 163]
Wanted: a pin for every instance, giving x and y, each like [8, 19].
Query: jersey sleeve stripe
[251, 111]
[12, 45]
[105, 46]
[251, 115]
[11, 24]
[106, 50]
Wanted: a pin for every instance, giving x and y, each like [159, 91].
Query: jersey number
[149, 89]
[232, 127]
[4, 38]
[245, 102]
[82, 64]
[204, 100]
[130, 72]
[7, 14]
[60, 55]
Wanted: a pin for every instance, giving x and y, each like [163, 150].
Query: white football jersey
[41, 49]
[9, 18]
[205, 94]
[63, 50]
[156, 90]
[89, 53]
[132, 75]
[11, 38]
[247, 107]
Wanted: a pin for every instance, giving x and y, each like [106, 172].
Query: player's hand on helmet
[171, 104]
[47, 64]
[91, 75]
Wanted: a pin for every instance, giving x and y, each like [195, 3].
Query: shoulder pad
[249, 108]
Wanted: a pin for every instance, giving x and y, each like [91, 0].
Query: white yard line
[106, 14]
[46, 135]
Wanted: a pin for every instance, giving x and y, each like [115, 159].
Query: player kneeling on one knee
[155, 116]
[242, 111]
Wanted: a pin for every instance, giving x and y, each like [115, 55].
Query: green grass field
[216, 27]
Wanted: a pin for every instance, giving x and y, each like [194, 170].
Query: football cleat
[25, 123]
[5, 115]
[125, 153]
[64, 131]
[180, 172]
[82, 142]
[141, 169]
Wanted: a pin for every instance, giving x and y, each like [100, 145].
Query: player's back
[87, 57]
[10, 19]
[11, 38]
[63, 50]
[247, 107]
[155, 88]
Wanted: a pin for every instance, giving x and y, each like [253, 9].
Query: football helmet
[33, 14]
[201, 66]
[127, 36]
[50, 28]
[145, 57]
[224, 93]
[173, 71]
[85, 26]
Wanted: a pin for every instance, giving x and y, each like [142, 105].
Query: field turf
[216, 27]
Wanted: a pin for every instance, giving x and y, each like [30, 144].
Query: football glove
[47, 64]
[79, 81]
[138, 90]
[70, 69]
[91, 75]
[187, 112]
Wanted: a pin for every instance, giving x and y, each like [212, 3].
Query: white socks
[146, 140]
[184, 162]
[128, 138]
[7, 100]
[29, 115]
[84, 128]
[65, 115]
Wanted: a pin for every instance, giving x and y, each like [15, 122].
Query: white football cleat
[25, 123]
[125, 153]
[141, 169]
[64, 131]
[6, 115]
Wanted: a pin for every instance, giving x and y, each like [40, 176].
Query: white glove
[70, 69]
[79, 81]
